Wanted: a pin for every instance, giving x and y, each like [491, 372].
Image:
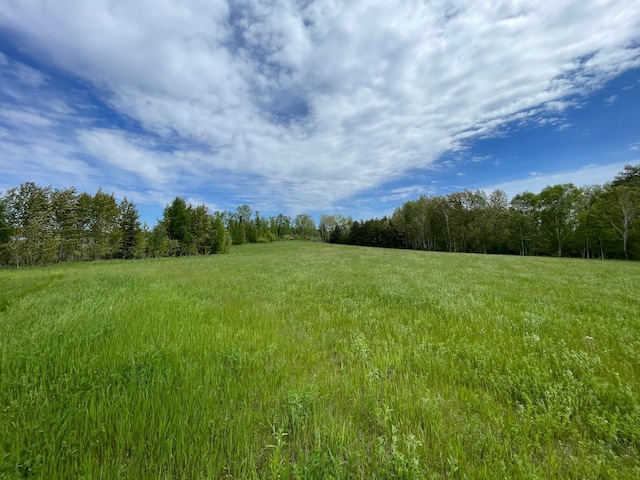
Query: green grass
[303, 360]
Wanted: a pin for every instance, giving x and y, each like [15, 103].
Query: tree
[5, 228]
[588, 230]
[200, 230]
[280, 226]
[129, 222]
[326, 226]
[176, 221]
[444, 209]
[6, 232]
[630, 177]
[620, 206]
[373, 233]
[416, 223]
[328, 223]
[304, 226]
[240, 226]
[402, 218]
[525, 223]
[82, 225]
[247, 231]
[104, 225]
[336, 235]
[262, 233]
[65, 209]
[498, 221]
[221, 238]
[479, 221]
[558, 212]
[158, 242]
[457, 210]
[31, 222]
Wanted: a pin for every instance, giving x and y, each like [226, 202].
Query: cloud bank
[287, 104]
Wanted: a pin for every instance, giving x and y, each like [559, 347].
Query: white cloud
[17, 117]
[406, 193]
[121, 153]
[306, 105]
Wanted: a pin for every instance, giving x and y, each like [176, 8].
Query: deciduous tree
[558, 213]
[31, 221]
[304, 226]
[105, 234]
[620, 205]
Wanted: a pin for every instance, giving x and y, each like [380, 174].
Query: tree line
[562, 220]
[42, 225]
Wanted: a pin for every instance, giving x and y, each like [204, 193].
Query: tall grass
[301, 360]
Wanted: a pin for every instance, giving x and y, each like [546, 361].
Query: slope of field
[303, 360]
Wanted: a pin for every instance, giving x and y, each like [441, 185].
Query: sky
[317, 107]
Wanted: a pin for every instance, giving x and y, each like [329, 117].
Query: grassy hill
[306, 360]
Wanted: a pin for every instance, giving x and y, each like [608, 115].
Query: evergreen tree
[176, 222]
[130, 229]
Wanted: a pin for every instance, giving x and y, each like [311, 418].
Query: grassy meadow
[307, 360]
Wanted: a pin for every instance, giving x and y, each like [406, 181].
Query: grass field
[306, 360]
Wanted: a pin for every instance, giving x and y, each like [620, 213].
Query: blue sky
[316, 107]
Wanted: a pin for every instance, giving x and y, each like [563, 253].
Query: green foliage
[130, 229]
[304, 227]
[221, 238]
[103, 226]
[195, 231]
[176, 222]
[333, 228]
[5, 228]
[558, 213]
[619, 208]
[280, 226]
[31, 221]
[201, 232]
[629, 177]
[40, 226]
[374, 233]
[311, 360]
[65, 210]
[562, 220]
[158, 242]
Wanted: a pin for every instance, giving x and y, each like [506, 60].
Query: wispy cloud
[405, 193]
[289, 104]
